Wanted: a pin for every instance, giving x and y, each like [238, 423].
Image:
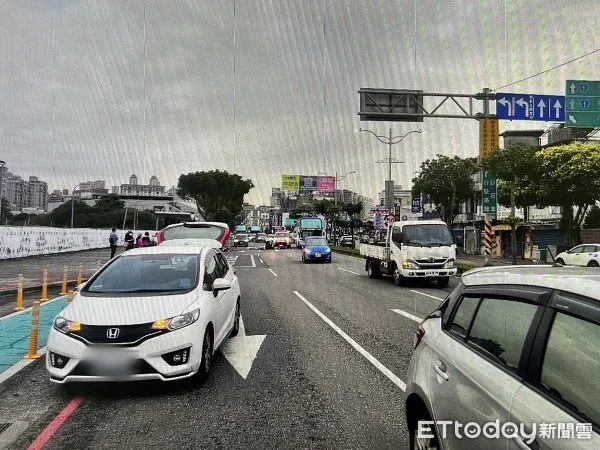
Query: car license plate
[431, 273]
[318, 255]
[111, 361]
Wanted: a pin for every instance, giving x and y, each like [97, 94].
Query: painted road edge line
[349, 271]
[427, 295]
[56, 423]
[384, 370]
[252, 260]
[23, 311]
[17, 367]
[274, 274]
[262, 262]
[408, 315]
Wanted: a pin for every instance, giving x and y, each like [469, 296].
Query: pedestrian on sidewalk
[113, 239]
[139, 243]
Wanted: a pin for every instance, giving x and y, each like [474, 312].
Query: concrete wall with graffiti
[19, 242]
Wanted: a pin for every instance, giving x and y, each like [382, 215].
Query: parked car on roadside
[581, 255]
[518, 344]
[151, 313]
[196, 230]
[346, 241]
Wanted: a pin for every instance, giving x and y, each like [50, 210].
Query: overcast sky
[103, 89]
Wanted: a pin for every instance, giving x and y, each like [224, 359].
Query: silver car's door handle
[440, 369]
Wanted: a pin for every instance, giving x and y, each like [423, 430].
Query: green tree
[351, 209]
[448, 182]
[219, 195]
[592, 220]
[110, 202]
[6, 215]
[571, 181]
[513, 165]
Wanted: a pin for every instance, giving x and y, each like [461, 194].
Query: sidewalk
[479, 260]
[32, 268]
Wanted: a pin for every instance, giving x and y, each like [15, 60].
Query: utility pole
[2, 164]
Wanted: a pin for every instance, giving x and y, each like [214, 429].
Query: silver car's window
[463, 316]
[570, 368]
[589, 249]
[500, 328]
[147, 274]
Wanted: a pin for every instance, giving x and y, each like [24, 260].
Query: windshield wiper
[133, 291]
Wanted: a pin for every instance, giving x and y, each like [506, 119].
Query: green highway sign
[582, 104]
[489, 200]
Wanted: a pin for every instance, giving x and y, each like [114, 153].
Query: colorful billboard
[290, 183]
[308, 184]
[326, 184]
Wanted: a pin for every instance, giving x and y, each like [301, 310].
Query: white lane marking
[349, 271]
[12, 433]
[274, 274]
[384, 370]
[252, 259]
[19, 366]
[427, 295]
[23, 311]
[408, 315]
[261, 261]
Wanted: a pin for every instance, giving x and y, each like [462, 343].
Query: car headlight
[174, 323]
[410, 265]
[307, 251]
[327, 250]
[450, 264]
[64, 325]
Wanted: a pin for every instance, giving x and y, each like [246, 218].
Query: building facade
[31, 194]
[152, 189]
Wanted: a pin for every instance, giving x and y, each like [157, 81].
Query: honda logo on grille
[431, 259]
[112, 333]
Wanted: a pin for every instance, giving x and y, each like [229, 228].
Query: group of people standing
[130, 242]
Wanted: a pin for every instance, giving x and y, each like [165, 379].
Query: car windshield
[155, 273]
[281, 235]
[314, 242]
[241, 236]
[195, 231]
[433, 235]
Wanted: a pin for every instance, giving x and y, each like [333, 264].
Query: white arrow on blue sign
[543, 108]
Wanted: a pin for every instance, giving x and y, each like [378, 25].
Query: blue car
[316, 249]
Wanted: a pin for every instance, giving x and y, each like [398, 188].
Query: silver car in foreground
[510, 360]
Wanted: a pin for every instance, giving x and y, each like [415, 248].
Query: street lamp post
[73, 203]
[389, 141]
[2, 164]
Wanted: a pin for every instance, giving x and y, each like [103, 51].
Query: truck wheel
[372, 270]
[398, 279]
[443, 282]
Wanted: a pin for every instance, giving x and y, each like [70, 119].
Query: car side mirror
[220, 284]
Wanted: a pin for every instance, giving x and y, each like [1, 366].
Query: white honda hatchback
[151, 313]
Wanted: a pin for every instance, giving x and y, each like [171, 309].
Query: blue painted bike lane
[15, 330]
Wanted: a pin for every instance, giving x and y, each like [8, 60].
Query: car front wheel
[207, 351]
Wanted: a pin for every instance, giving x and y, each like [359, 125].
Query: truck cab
[413, 249]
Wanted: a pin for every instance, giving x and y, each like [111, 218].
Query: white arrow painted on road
[572, 119]
[572, 88]
[557, 107]
[542, 106]
[525, 105]
[241, 350]
[506, 104]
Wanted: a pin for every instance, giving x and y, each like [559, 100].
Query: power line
[548, 70]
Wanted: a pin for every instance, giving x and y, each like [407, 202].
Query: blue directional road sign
[543, 108]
